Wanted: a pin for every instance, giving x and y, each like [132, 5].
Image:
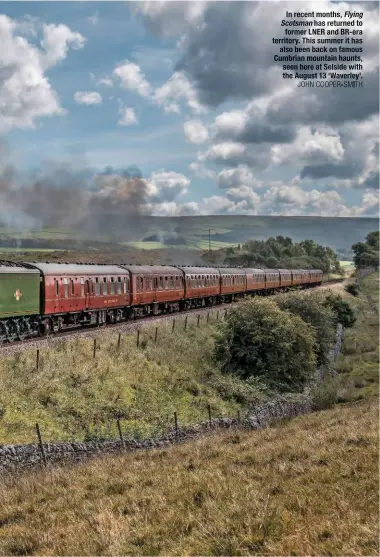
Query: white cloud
[132, 78]
[178, 88]
[223, 151]
[57, 39]
[106, 82]
[195, 131]
[236, 177]
[201, 171]
[169, 185]
[231, 123]
[25, 92]
[320, 147]
[128, 117]
[87, 97]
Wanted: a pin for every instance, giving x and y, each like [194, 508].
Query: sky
[186, 97]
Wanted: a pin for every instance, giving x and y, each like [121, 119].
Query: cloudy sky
[189, 94]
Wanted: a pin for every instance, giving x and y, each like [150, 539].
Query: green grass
[304, 487]
[359, 362]
[74, 396]
[145, 245]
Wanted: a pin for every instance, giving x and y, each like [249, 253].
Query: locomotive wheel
[23, 329]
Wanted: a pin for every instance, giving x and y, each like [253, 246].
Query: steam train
[41, 298]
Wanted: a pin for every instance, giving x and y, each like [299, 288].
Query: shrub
[343, 311]
[313, 312]
[258, 339]
[353, 289]
[325, 394]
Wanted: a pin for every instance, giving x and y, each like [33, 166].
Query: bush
[325, 394]
[343, 311]
[353, 289]
[313, 312]
[258, 339]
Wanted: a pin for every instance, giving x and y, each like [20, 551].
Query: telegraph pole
[209, 239]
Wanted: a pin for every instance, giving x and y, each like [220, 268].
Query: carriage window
[171, 282]
[112, 286]
[82, 287]
[72, 287]
[161, 283]
[166, 283]
[97, 287]
[118, 286]
[104, 285]
[56, 286]
[66, 287]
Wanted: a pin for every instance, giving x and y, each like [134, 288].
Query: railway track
[10, 348]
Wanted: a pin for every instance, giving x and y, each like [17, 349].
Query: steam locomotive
[41, 298]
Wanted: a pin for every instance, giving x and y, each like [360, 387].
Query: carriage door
[87, 292]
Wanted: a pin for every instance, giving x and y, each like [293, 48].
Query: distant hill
[338, 233]
[195, 232]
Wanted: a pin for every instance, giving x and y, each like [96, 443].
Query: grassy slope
[73, 395]
[306, 487]
[359, 362]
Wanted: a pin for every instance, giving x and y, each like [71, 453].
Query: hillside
[306, 487]
[190, 234]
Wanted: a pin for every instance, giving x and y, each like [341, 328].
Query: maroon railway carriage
[202, 286]
[233, 282]
[155, 288]
[255, 279]
[72, 293]
[300, 277]
[272, 279]
[316, 276]
[285, 277]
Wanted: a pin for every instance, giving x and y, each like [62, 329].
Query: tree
[258, 339]
[343, 311]
[272, 262]
[372, 239]
[366, 254]
[312, 310]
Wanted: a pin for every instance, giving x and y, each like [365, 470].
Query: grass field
[358, 363]
[74, 396]
[304, 487]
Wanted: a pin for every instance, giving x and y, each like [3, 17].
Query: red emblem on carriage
[17, 294]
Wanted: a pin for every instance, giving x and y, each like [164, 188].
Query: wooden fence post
[120, 433]
[185, 322]
[155, 336]
[138, 338]
[198, 320]
[208, 316]
[94, 350]
[173, 326]
[217, 315]
[41, 445]
[176, 423]
[37, 360]
[209, 414]
[118, 341]
[238, 416]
